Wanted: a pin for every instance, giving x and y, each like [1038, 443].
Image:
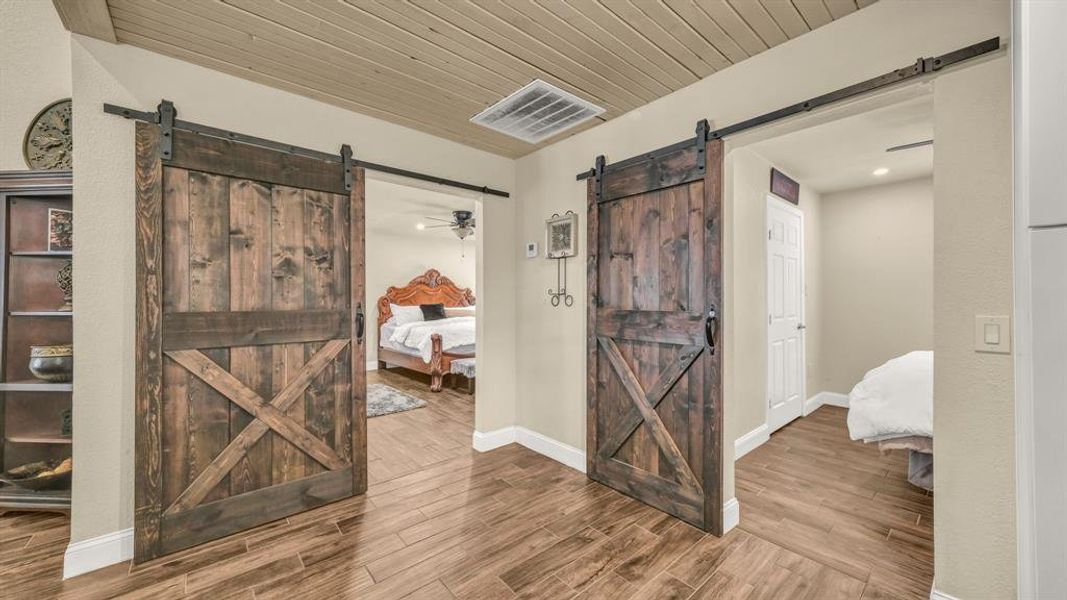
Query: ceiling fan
[461, 223]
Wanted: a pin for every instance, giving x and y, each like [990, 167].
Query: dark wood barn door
[654, 423]
[251, 380]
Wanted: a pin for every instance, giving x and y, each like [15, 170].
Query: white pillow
[406, 314]
[459, 311]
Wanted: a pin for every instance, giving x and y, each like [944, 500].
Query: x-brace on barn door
[251, 381]
[654, 424]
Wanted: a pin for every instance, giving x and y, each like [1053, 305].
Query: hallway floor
[822, 518]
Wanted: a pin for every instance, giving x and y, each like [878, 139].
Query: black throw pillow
[432, 312]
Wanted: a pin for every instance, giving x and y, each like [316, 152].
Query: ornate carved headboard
[429, 288]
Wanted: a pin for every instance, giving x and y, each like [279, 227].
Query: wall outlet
[531, 249]
[992, 334]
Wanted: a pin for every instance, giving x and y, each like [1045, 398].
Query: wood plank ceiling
[433, 64]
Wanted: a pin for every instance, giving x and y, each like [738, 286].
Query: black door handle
[711, 327]
[360, 319]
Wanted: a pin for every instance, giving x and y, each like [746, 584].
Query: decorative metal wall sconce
[561, 243]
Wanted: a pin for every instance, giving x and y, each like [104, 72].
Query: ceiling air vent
[536, 112]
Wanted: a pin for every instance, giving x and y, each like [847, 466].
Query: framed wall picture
[784, 187]
[561, 236]
[60, 230]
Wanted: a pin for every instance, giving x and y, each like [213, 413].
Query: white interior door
[785, 312]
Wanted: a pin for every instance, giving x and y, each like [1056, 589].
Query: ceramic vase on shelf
[54, 364]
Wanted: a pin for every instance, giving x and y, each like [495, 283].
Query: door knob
[801, 326]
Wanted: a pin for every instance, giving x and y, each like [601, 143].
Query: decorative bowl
[42, 475]
[54, 364]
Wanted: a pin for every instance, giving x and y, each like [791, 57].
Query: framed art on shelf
[60, 230]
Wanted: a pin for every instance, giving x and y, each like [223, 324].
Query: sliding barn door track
[166, 117]
[921, 67]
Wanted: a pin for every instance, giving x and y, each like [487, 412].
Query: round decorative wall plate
[48, 143]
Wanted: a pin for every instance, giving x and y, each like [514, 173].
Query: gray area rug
[385, 400]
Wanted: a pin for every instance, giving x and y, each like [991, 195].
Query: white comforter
[455, 332]
[894, 400]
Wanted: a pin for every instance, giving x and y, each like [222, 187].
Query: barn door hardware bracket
[166, 114]
[598, 172]
[701, 142]
[157, 118]
[346, 160]
[922, 66]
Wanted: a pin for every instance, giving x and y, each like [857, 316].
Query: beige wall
[886, 35]
[104, 255]
[974, 511]
[877, 279]
[34, 71]
[975, 519]
[397, 251]
[747, 185]
[882, 36]
[811, 204]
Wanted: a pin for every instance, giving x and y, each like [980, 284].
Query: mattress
[385, 342]
[893, 406]
[894, 400]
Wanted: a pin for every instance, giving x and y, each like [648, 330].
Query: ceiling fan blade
[911, 145]
[437, 226]
[438, 219]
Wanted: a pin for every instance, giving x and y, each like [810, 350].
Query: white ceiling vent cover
[536, 112]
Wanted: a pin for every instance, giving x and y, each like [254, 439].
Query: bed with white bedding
[428, 343]
[894, 407]
[416, 341]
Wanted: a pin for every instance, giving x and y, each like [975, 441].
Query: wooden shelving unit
[42, 438]
[31, 410]
[41, 313]
[43, 254]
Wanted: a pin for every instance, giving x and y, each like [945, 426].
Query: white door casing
[785, 313]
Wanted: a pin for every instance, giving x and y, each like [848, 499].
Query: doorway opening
[838, 466]
[422, 254]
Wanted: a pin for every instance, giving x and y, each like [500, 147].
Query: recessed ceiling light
[880, 171]
[420, 226]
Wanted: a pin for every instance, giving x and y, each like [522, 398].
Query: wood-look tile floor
[822, 518]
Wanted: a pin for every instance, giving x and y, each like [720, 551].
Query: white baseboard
[936, 595]
[556, 450]
[491, 440]
[828, 398]
[731, 514]
[97, 553]
[574, 458]
[751, 440]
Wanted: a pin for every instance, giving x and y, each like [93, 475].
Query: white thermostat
[531, 249]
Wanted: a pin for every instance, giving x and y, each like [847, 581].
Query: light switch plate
[531, 249]
[992, 334]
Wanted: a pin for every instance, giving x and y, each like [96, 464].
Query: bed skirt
[920, 458]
